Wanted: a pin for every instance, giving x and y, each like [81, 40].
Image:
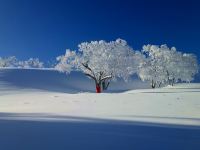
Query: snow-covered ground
[44, 103]
[38, 93]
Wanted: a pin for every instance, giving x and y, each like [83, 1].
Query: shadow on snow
[51, 80]
[75, 133]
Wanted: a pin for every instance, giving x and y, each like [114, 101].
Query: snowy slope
[51, 80]
[49, 93]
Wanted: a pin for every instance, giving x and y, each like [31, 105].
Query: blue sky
[45, 28]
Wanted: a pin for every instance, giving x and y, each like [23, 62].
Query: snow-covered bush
[165, 65]
[102, 61]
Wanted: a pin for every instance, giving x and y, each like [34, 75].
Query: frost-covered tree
[152, 68]
[178, 66]
[13, 62]
[31, 63]
[8, 62]
[189, 67]
[167, 65]
[68, 62]
[102, 61]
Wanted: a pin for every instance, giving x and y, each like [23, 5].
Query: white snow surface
[45, 94]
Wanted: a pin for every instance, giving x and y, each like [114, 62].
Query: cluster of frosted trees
[15, 63]
[167, 66]
[104, 61]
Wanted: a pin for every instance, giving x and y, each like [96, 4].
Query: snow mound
[53, 81]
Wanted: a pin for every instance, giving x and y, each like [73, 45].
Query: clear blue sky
[45, 28]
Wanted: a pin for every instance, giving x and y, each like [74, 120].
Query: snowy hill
[47, 91]
[52, 80]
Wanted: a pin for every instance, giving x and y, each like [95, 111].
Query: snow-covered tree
[31, 63]
[152, 68]
[165, 65]
[8, 62]
[102, 61]
[189, 67]
[15, 63]
[178, 66]
[67, 62]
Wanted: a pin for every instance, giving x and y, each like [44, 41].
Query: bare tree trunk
[98, 88]
[173, 81]
[168, 77]
[105, 84]
[153, 84]
[159, 85]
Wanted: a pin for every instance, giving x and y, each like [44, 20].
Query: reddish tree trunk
[98, 89]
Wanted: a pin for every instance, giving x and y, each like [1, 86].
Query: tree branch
[100, 76]
[89, 75]
[106, 77]
[87, 67]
